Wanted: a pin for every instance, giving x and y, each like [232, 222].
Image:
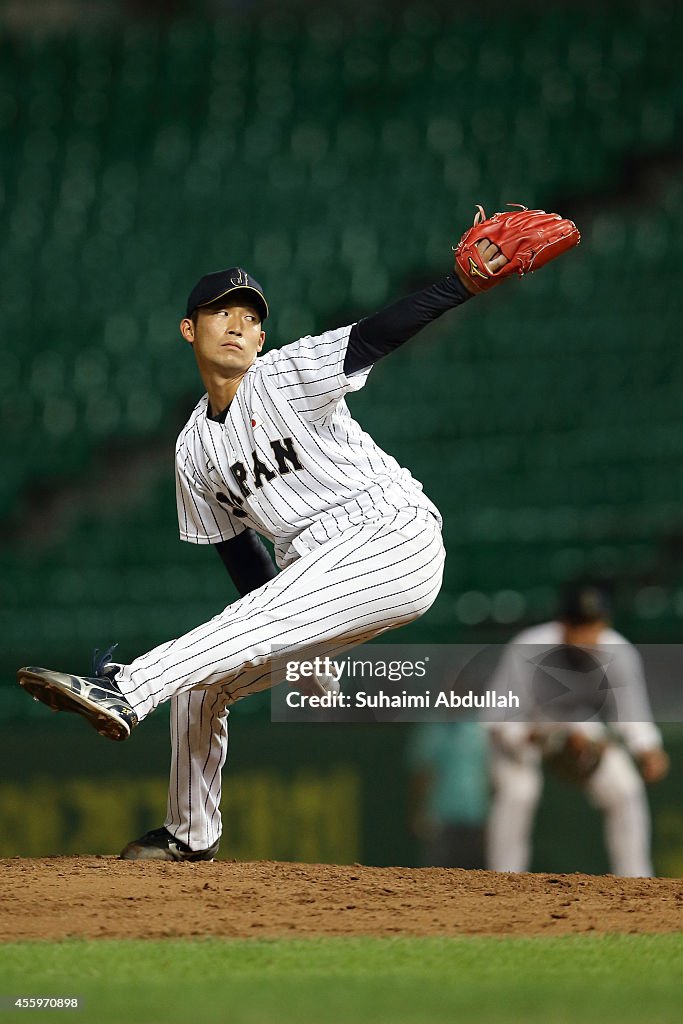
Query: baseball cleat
[97, 698]
[159, 844]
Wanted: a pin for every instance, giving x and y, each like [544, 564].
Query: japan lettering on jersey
[289, 460]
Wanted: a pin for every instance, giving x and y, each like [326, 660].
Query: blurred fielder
[574, 674]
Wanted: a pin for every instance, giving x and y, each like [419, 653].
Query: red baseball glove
[526, 238]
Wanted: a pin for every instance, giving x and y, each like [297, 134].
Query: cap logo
[241, 279]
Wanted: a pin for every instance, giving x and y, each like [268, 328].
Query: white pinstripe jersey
[289, 460]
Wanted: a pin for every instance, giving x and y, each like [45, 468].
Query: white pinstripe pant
[375, 576]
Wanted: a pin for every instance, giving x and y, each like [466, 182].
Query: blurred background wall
[337, 151]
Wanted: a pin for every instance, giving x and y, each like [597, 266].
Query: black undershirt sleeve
[381, 333]
[248, 561]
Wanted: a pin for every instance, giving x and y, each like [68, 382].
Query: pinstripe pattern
[199, 744]
[374, 577]
[295, 392]
[358, 542]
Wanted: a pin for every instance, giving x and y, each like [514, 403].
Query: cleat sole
[48, 689]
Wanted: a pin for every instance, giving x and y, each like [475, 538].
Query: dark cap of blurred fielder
[584, 604]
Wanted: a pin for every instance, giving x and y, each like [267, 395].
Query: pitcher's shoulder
[195, 419]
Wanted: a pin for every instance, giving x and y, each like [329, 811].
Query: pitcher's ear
[187, 329]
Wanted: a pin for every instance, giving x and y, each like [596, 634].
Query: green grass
[618, 978]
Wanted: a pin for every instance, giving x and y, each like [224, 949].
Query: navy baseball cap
[213, 287]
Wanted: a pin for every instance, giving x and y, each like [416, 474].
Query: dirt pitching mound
[101, 897]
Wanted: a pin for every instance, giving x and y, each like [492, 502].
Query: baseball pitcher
[271, 450]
